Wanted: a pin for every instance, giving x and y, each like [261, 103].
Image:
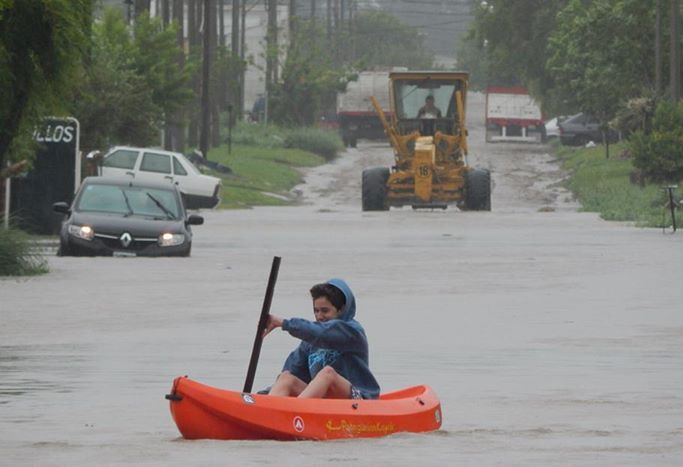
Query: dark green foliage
[659, 153]
[310, 79]
[41, 44]
[16, 255]
[507, 43]
[318, 65]
[382, 40]
[600, 55]
[130, 84]
[321, 142]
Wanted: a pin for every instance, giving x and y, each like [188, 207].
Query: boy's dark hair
[332, 293]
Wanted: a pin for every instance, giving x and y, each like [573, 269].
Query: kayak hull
[205, 412]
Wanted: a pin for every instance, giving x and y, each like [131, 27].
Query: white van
[198, 190]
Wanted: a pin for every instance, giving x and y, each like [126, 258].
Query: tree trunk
[658, 49]
[177, 140]
[205, 130]
[292, 18]
[142, 6]
[221, 23]
[165, 12]
[193, 40]
[313, 2]
[675, 50]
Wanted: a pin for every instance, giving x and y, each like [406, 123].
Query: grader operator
[428, 135]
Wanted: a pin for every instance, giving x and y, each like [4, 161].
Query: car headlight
[82, 231]
[169, 239]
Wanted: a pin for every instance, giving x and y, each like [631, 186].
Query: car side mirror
[194, 219]
[61, 207]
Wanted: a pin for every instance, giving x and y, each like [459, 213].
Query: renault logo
[125, 239]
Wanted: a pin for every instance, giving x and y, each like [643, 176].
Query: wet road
[552, 337]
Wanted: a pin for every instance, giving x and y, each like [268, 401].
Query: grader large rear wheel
[478, 190]
[374, 189]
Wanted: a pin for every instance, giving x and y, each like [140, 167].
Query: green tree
[600, 55]
[310, 79]
[506, 44]
[382, 40]
[41, 44]
[130, 84]
[658, 153]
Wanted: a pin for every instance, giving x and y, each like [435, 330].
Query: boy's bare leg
[329, 384]
[287, 385]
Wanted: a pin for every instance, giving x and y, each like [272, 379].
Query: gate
[55, 176]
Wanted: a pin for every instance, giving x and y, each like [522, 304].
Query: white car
[146, 164]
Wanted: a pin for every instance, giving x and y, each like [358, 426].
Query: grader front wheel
[478, 190]
[374, 189]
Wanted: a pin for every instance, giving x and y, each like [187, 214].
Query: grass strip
[603, 185]
[262, 175]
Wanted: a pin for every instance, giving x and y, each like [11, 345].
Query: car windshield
[139, 201]
[412, 95]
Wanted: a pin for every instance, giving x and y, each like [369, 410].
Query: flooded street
[551, 336]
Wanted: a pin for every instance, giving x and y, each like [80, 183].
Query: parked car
[143, 164]
[581, 128]
[125, 217]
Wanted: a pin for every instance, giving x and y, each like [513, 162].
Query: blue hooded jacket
[340, 343]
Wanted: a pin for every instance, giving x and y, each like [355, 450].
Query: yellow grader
[428, 135]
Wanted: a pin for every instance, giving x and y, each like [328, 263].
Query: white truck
[512, 115]
[355, 115]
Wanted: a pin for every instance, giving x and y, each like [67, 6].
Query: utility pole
[313, 9]
[658, 49]
[675, 54]
[204, 133]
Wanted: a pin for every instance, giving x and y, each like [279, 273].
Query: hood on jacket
[349, 310]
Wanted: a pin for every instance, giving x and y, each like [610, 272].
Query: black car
[581, 128]
[122, 217]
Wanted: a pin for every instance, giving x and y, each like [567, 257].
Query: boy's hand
[273, 322]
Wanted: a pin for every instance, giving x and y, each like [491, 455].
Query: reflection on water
[31, 369]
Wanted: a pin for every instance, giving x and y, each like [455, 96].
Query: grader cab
[428, 135]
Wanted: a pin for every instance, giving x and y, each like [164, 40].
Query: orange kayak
[205, 412]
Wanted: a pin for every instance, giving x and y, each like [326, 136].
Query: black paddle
[263, 321]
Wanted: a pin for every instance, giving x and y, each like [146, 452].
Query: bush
[16, 255]
[659, 153]
[325, 143]
[258, 134]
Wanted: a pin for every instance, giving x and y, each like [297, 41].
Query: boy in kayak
[332, 359]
